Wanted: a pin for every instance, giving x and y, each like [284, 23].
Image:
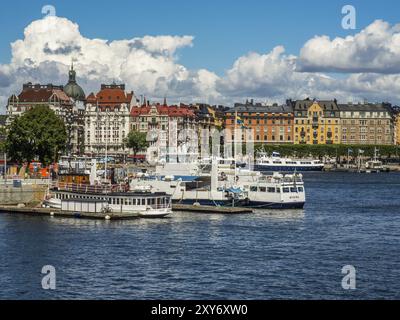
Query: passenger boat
[142, 202]
[227, 185]
[275, 163]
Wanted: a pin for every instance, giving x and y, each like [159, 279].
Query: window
[263, 189]
[286, 190]
[300, 189]
[253, 188]
[271, 190]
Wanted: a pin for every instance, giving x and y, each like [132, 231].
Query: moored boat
[276, 163]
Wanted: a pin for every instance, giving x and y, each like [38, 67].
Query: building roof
[73, 89]
[41, 93]
[364, 107]
[259, 108]
[324, 104]
[111, 95]
[170, 111]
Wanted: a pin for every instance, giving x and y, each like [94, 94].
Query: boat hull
[267, 168]
[247, 204]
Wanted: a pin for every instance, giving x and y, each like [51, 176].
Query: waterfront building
[366, 123]
[165, 125]
[271, 124]
[396, 117]
[74, 117]
[107, 120]
[316, 122]
[67, 102]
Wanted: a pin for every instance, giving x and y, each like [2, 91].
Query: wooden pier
[51, 212]
[37, 211]
[210, 209]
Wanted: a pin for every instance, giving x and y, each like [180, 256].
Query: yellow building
[397, 129]
[316, 122]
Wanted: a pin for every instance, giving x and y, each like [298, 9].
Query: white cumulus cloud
[375, 49]
[149, 65]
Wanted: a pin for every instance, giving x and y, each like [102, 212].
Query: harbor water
[349, 219]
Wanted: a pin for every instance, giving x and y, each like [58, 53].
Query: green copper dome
[72, 89]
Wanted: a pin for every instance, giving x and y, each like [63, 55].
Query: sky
[206, 51]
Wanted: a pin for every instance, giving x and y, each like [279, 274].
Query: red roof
[111, 95]
[171, 111]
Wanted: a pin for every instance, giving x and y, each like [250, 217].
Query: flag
[360, 151]
[239, 120]
[350, 150]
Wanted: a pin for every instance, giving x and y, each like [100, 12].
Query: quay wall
[25, 194]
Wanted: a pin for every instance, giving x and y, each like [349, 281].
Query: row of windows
[276, 190]
[117, 201]
[297, 121]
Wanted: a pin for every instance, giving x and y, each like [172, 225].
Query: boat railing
[86, 188]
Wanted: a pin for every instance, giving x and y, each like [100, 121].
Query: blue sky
[223, 29]
[266, 50]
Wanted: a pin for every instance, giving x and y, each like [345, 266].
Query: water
[349, 219]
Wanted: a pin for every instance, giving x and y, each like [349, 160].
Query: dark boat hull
[266, 168]
[247, 204]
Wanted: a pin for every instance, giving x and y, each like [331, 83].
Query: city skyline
[224, 57]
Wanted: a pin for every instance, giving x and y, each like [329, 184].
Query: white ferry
[275, 163]
[227, 185]
[142, 202]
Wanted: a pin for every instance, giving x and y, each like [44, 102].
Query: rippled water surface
[349, 219]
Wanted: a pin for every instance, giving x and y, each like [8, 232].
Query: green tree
[38, 133]
[136, 141]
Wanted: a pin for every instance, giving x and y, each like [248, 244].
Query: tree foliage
[38, 133]
[136, 141]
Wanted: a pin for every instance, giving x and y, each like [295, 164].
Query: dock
[210, 209]
[38, 211]
[51, 212]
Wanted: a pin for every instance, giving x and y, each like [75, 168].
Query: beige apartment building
[366, 123]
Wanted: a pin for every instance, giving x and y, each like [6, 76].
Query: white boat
[374, 165]
[227, 185]
[276, 163]
[144, 202]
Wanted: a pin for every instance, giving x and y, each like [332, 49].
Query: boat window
[271, 189]
[300, 189]
[263, 189]
[278, 190]
[253, 188]
[293, 189]
[286, 190]
[143, 202]
[277, 162]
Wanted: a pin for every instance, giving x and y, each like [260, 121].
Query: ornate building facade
[316, 122]
[166, 126]
[107, 120]
[62, 100]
